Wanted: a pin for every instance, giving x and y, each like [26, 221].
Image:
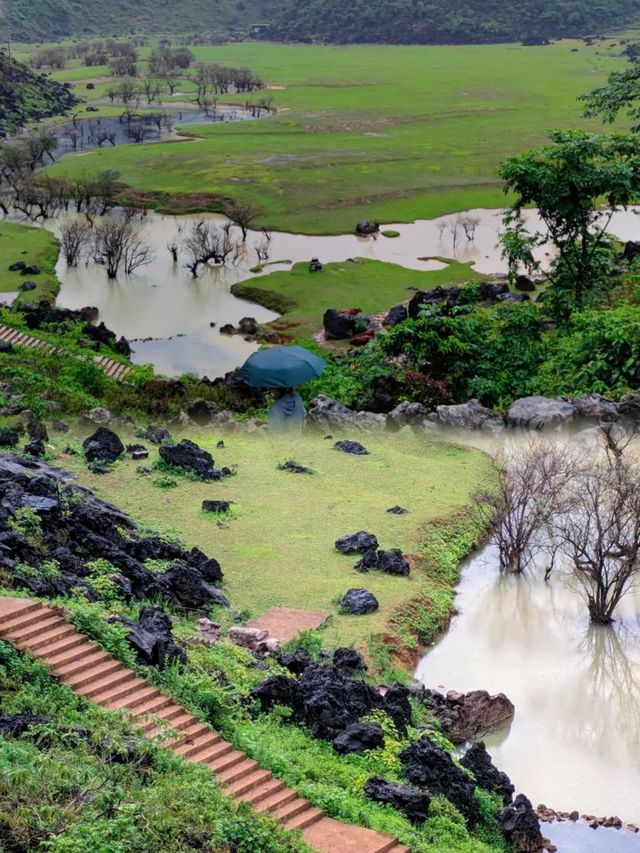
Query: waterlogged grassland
[386, 132]
[372, 286]
[33, 246]
[277, 546]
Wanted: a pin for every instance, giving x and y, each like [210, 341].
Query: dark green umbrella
[281, 367]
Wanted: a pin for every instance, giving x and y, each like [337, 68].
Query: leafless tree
[263, 248]
[242, 215]
[207, 242]
[74, 239]
[454, 228]
[441, 226]
[469, 225]
[151, 89]
[136, 131]
[120, 245]
[599, 531]
[531, 489]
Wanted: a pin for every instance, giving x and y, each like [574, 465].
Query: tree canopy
[438, 21]
[576, 184]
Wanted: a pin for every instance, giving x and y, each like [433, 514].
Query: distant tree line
[441, 21]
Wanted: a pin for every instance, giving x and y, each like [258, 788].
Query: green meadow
[33, 246]
[382, 132]
[276, 547]
[372, 286]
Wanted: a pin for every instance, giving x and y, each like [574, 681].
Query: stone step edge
[318, 815]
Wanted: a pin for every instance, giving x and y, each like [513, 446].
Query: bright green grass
[277, 547]
[372, 286]
[384, 132]
[33, 246]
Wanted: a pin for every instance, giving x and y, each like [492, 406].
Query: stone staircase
[115, 369]
[45, 633]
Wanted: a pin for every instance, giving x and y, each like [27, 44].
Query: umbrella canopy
[281, 367]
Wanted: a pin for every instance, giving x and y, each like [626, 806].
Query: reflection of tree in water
[612, 685]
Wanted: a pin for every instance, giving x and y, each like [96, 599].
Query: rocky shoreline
[549, 815]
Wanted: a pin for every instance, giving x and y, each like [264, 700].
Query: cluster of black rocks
[331, 700]
[77, 528]
[43, 314]
[192, 459]
[391, 562]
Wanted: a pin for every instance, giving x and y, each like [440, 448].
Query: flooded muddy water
[164, 303]
[574, 742]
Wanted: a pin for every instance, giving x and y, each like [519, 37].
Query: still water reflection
[574, 742]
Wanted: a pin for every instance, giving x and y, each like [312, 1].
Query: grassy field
[33, 246]
[384, 132]
[277, 546]
[372, 286]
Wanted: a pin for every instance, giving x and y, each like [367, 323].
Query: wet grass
[277, 548]
[384, 132]
[372, 286]
[33, 246]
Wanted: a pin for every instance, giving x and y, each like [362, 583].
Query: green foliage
[599, 352]
[84, 793]
[26, 521]
[26, 96]
[438, 22]
[620, 94]
[576, 184]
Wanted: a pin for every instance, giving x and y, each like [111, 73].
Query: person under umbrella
[282, 369]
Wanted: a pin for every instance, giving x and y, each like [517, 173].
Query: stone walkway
[83, 666]
[114, 369]
[285, 623]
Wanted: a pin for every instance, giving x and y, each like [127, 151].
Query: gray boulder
[328, 414]
[99, 416]
[595, 407]
[397, 314]
[407, 414]
[358, 737]
[411, 801]
[356, 543]
[358, 601]
[471, 415]
[538, 413]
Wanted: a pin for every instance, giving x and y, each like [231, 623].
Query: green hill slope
[34, 20]
[26, 96]
[442, 21]
[366, 21]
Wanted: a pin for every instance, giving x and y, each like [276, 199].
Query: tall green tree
[577, 184]
[621, 94]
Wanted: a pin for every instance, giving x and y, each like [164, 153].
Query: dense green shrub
[598, 352]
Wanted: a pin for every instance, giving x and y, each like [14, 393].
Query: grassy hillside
[387, 133]
[387, 21]
[277, 546]
[372, 286]
[33, 246]
[26, 96]
[442, 21]
[54, 19]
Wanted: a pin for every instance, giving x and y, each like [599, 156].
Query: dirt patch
[285, 623]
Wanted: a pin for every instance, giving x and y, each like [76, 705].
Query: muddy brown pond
[169, 314]
[574, 742]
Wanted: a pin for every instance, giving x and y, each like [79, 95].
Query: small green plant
[165, 481]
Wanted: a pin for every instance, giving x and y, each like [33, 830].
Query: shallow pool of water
[574, 742]
[163, 301]
[580, 838]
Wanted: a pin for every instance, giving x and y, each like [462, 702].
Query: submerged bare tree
[599, 532]
[119, 245]
[242, 215]
[75, 238]
[532, 488]
[207, 242]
